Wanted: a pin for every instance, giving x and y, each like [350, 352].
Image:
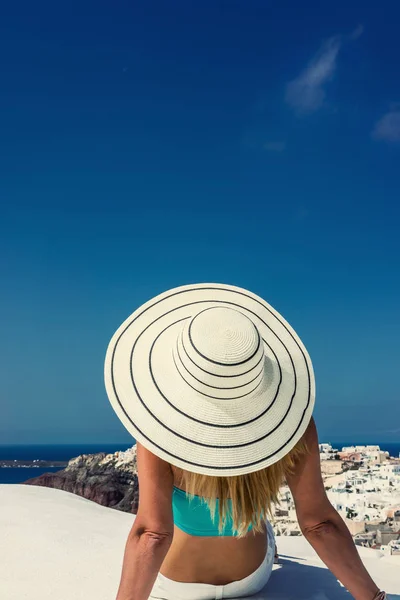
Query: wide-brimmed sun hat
[211, 378]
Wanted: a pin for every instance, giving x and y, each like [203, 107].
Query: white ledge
[58, 546]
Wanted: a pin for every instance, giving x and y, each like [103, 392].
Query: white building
[390, 470]
[349, 449]
[393, 547]
[325, 448]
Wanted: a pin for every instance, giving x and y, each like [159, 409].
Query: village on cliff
[363, 485]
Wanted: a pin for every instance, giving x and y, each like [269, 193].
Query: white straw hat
[211, 378]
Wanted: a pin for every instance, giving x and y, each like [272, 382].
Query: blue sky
[150, 145]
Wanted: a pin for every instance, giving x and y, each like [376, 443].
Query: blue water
[47, 452]
[56, 452]
[18, 475]
[65, 452]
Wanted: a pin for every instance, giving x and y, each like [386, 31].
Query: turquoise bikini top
[194, 516]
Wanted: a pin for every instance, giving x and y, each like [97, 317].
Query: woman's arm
[151, 534]
[323, 527]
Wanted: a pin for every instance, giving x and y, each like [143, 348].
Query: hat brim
[179, 422]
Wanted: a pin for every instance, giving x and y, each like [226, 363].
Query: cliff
[108, 479]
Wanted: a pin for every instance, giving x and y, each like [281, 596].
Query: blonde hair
[252, 494]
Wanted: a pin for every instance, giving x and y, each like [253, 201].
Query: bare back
[213, 560]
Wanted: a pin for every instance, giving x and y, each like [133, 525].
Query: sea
[68, 451]
[47, 452]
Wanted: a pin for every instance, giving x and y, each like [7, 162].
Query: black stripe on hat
[217, 387]
[209, 372]
[215, 397]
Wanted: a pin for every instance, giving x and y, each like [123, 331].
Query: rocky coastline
[108, 479]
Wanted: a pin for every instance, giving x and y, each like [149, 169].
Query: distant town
[363, 484]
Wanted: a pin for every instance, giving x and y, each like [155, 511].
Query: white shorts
[167, 589]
